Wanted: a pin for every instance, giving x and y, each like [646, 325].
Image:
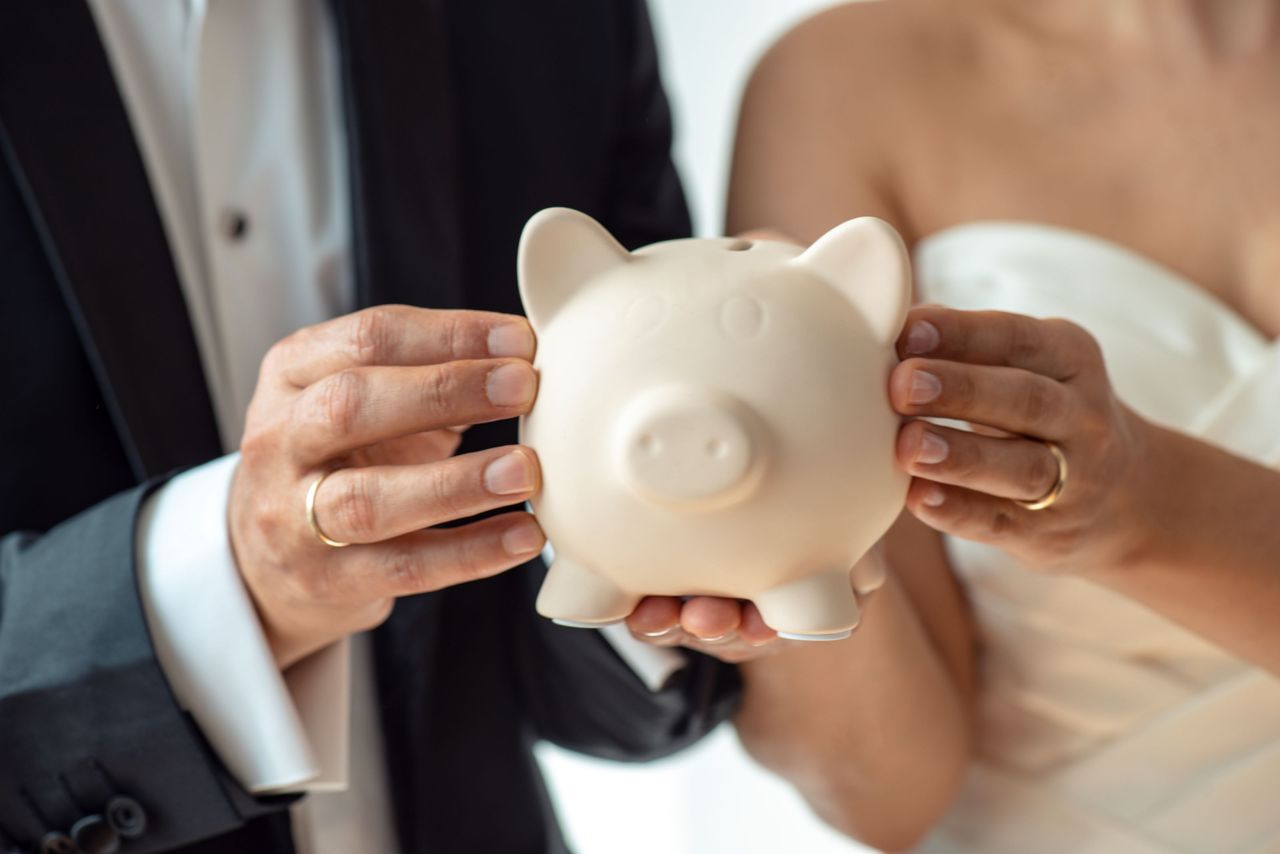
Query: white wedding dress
[1104, 727]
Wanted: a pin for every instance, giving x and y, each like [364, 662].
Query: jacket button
[126, 816]
[94, 836]
[55, 842]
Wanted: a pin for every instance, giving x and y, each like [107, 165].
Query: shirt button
[235, 225]
[93, 835]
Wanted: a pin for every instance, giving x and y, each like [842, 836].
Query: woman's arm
[1210, 557]
[1187, 529]
[1183, 527]
[875, 731]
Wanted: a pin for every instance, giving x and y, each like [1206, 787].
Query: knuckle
[1039, 403]
[371, 335]
[965, 459]
[1078, 340]
[1096, 431]
[439, 389]
[356, 506]
[266, 516]
[445, 492]
[455, 334]
[277, 358]
[341, 396]
[406, 571]
[962, 390]
[257, 447]
[1025, 339]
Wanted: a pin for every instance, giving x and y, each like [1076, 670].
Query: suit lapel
[400, 135]
[66, 136]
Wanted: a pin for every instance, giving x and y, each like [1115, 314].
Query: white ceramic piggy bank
[713, 418]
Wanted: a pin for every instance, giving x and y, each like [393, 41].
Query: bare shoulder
[825, 106]
[850, 40]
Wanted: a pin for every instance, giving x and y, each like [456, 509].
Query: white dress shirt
[236, 106]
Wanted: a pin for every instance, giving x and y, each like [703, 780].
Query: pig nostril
[739, 246]
[717, 448]
[651, 445]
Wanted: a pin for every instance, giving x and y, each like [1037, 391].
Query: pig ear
[865, 260]
[560, 250]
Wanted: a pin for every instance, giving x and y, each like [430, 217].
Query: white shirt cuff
[274, 732]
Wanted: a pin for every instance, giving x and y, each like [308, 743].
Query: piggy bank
[713, 418]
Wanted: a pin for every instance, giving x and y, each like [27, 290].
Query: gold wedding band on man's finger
[311, 514]
[1055, 492]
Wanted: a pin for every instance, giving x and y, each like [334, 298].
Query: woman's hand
[1021, 382]
[727, 629]
[730, 629]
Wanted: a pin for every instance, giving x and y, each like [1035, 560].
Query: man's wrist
[208, 638]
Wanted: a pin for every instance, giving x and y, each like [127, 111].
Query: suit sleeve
[581, 695]
[578, 691]
[86, 714]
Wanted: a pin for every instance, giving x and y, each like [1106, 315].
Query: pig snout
[685, 445]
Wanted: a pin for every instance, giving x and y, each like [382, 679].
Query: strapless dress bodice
[1103, 726]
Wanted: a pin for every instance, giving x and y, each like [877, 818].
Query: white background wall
[713, 798]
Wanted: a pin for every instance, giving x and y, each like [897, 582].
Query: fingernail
[510, 385]
[933, 449]
[661, 633]
[924, 387]
[523, 538]
[511, 340]
[933, 497]
[509, 474]
[922, 337]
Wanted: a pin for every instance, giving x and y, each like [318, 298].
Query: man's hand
[377, 399]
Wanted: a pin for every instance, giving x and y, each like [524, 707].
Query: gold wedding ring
[311, 513]
[1055, 491]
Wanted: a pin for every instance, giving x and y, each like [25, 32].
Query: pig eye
[742, 317]
[645, 314]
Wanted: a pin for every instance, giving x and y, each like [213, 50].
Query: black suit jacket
[463, 118]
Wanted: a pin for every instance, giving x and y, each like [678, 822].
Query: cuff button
[126, 816]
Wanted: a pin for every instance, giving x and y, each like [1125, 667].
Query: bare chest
[1192, 182]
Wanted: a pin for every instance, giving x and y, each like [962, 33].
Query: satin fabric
[1103, 726]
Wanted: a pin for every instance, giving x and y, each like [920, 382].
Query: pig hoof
[573, 595]
[818, 607]
[828, 636]
[581, 624]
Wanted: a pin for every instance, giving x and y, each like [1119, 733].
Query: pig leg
[818, 608]
[573, 595]
[868, 574]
